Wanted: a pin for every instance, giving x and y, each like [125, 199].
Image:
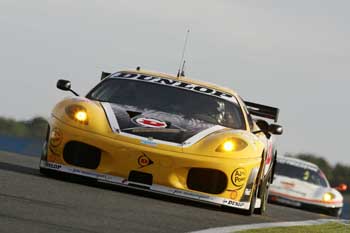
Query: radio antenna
[181, 71]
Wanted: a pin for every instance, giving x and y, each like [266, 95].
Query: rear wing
[262, 110]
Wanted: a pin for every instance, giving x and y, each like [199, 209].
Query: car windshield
[310, 175]
[151, 96]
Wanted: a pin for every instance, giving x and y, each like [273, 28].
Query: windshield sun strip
[176, 84]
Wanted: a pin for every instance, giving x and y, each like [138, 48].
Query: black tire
[263, 195]
[251, 209]
[43, 155]
[336, 212]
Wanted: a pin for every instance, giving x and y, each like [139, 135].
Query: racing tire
[336, 212]
[251, 209]
[44, 171]
[263, 195]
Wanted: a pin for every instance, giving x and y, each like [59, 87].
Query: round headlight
[77, 113]
[80, 115]
[228, 146]
[328, 197]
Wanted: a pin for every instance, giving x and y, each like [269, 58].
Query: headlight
[328, 197]
[77, 113]
[233, 144]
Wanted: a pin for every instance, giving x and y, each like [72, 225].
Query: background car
[302, 184]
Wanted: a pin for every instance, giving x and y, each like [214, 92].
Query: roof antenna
[181, 71]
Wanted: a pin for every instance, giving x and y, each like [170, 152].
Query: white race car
[302, 184]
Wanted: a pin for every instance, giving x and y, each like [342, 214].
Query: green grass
[322, 228]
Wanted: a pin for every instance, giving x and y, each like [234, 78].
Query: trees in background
[33, 128]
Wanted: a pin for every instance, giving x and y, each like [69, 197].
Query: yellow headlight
[80, 115]
[233, 144]
[328, 197]
[77, 113]
[228, 146]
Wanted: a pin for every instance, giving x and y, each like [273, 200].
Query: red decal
[269, 154]
[287, 185]
[149, 122]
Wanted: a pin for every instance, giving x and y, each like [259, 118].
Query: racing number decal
[238, 177]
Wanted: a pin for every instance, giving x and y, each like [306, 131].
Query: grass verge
[322, 228]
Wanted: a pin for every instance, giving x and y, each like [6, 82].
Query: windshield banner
[175, 83]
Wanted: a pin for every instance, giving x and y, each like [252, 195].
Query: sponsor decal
[238, 177]
[150, 122]
[148, 141]
[144, 161]
[175, 83]
[233, 203]
[54, 166]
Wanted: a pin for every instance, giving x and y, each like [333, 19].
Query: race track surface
[30, 202]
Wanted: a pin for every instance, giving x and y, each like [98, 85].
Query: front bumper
[154, 188]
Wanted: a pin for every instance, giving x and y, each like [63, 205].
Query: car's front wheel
[251, 209]
[43, 157]
[263, 195]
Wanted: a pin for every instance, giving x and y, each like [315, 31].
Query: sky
[294, 55]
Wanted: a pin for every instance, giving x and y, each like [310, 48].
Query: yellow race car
[166, 134]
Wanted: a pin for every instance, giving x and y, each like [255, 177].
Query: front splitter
[154, 188]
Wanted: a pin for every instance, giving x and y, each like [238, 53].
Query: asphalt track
[30, 202]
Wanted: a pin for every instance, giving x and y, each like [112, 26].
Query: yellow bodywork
[121, 154]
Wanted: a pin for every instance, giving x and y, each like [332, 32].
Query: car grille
[206, 180]
[82, 155]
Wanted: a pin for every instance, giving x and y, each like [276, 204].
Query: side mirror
[341, 187]
[275, 129]
[65, 85]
